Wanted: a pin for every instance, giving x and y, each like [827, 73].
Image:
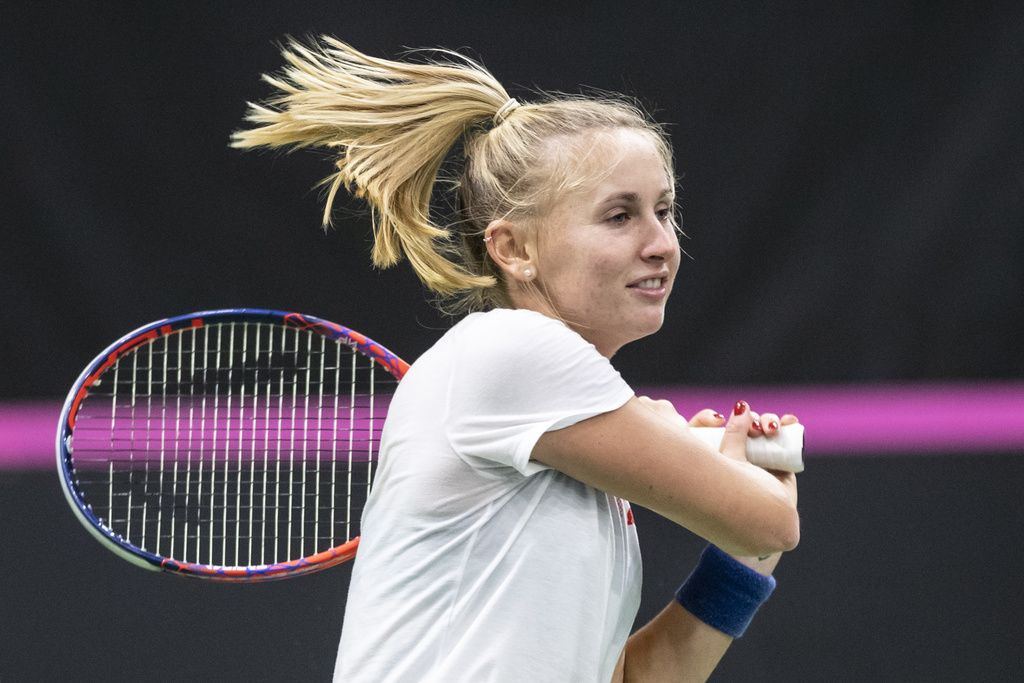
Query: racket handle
[784, 451]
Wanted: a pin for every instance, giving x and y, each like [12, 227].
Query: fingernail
[741, 407]
[719, 416]
[757, 426]
[773, 425]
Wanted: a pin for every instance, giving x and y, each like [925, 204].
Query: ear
[512, 249]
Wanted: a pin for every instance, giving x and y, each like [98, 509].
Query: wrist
[724, 592]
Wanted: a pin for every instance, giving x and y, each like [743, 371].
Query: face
[607, 254]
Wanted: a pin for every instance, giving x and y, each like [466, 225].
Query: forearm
[675, 646]
[688, 638]
[637, 455]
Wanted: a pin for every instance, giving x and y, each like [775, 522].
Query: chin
[653, 321]
[645, 328]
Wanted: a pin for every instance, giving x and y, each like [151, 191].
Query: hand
[744, 423]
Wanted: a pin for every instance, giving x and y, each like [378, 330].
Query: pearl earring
[527, 272]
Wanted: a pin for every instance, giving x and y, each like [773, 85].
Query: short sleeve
[520, 374]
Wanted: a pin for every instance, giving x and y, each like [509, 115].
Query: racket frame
[149, 333]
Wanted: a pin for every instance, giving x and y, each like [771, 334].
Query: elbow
[784, 525]
[779, 534]
[786, 530]
[789, 538]
[776, 536]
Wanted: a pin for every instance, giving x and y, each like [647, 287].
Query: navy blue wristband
[724, 593]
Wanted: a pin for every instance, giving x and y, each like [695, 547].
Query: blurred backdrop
[852, 191]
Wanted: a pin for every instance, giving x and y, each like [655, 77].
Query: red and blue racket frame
[138, 556]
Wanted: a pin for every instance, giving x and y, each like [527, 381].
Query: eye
[664, 215]
[619, 218]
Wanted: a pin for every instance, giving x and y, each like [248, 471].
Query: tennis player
[498, 543]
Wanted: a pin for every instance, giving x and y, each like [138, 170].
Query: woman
[498, 544]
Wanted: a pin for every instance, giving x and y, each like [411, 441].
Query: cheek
[610, 270]
[582, 283]
[592, 276]
[585, 265]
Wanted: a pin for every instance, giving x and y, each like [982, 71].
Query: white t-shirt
[477, 564]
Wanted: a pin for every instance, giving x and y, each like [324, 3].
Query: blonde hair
[395, 123]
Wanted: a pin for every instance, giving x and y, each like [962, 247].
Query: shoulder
[507, 348]
[512, 333]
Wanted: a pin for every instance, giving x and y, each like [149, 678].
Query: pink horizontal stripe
[28, 434]
[881, 419]
[888, 419]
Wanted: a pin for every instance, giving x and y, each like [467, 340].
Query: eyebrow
[633, 197]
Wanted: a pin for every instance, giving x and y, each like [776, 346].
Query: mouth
[650, 284]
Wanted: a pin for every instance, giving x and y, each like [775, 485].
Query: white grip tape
[784, 451]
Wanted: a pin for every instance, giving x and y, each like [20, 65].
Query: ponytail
[392, 124]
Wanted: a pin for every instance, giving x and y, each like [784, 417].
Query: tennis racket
[240, 445]
[237, 445]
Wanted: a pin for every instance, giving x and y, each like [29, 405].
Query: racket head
[116, 462]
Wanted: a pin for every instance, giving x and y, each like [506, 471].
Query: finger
[770, 423]
[756, 429]
[707, 418]
[734, 441]
[789, 419]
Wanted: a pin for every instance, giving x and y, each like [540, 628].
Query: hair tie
[504, 110]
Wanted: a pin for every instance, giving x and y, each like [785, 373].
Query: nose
[660, 241]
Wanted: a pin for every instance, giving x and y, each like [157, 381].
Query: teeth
[651, 283]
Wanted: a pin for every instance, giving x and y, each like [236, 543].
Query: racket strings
[232, 444]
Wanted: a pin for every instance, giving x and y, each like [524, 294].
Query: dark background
[852, 185]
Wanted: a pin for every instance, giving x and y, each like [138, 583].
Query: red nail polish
[741, 407]
[719, 416]
[773, 425]
[757, 425]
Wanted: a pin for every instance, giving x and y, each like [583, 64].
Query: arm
[648, 459]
